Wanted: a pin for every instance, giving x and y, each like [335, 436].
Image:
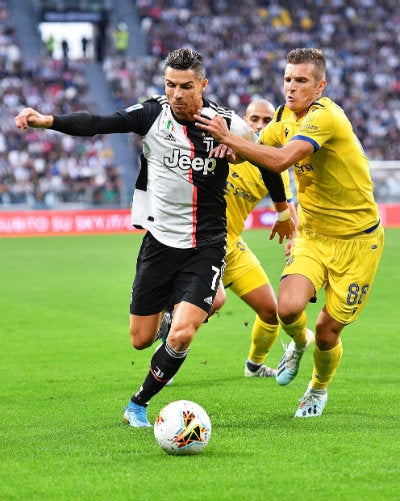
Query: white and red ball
[182, 427]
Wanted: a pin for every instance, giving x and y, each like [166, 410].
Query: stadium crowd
[244, 48]
[42, 169]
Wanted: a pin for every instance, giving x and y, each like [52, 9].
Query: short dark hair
[309, 55]
[186, 59]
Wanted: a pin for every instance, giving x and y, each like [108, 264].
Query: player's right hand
[29, 117]
[285, 229]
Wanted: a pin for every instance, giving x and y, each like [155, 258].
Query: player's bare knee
[139, 342]
[181, 336]
[287, 314]
[180, 340]
[290, 308]
[326, 339]
[268, 315]
[327, 332]
[325, 343]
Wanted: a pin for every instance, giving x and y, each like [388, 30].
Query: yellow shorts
[243, 272]
[345, 266]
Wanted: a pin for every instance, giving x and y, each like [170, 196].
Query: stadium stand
[44, 169]
[245, 49]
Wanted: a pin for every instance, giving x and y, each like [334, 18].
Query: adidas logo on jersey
[170, 137]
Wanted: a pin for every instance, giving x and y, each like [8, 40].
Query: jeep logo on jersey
[184, 162]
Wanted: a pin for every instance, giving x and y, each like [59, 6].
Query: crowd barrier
[106, 221]
[64, 222]
[389, 213]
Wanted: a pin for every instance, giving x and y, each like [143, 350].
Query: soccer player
[179, 200]
[244, 274]
[340, 239]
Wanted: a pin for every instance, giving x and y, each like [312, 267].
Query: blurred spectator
[85, 43]
[50, 45]
[65, 49]
[121, 39]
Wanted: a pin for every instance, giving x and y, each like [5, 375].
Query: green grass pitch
[67, 371]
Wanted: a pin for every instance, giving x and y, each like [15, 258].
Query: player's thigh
[352, 275]
[303, 276]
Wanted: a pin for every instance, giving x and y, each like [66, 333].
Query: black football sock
[252, 366]
[163, 366]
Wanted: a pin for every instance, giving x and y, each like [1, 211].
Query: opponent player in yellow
[340, 239]
[244, 274]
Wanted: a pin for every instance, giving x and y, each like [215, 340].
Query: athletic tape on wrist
[284, 215]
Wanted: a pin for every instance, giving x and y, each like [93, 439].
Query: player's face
[301, 87]
[184, 92]
[258, 115]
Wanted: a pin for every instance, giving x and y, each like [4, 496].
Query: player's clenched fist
[29, 117]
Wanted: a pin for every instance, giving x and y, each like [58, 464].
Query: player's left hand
[285, 229]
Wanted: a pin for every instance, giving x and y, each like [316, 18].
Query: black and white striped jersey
[179, 194]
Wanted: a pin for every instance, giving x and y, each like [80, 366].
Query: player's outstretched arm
[29, 117]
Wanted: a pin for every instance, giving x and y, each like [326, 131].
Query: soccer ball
[182, 427]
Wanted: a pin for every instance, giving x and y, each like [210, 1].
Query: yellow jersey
[334, 187]
[244, 190]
